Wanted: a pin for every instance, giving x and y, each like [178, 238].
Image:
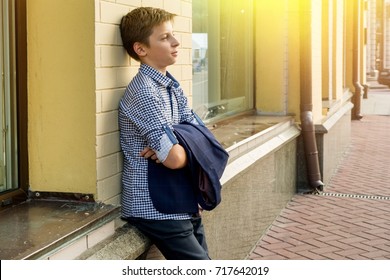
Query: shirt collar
[167, 81]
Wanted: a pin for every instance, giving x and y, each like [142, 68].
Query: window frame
[20, 193]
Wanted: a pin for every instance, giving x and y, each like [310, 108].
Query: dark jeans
[177, 240]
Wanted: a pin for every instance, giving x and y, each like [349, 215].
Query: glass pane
[386, 30]
[222, 57]
[8, 140]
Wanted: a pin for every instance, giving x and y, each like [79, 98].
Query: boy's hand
[149, 153]
[176, 159]
[200, 210]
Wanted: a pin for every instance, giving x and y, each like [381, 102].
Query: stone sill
[40, 229]
[263, 135]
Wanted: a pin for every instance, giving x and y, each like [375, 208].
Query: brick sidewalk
[351, 220]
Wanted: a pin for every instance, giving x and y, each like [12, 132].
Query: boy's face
[162, 50]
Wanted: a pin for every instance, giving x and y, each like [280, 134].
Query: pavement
[350, 219]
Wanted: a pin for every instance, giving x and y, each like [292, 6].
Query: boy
[153, 102]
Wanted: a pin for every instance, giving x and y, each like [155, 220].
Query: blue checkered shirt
[151, 104]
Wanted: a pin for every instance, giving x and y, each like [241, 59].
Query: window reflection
[8, 139]
[222, 57]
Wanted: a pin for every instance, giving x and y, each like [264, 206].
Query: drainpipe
[359, 89]
[306, 107]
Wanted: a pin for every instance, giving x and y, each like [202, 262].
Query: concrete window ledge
[43, 229]
[263, 135]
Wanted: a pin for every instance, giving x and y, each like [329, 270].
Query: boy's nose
[175, 42]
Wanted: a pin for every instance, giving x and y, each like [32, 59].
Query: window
[386, 34]
[222, 57]
[13, 105]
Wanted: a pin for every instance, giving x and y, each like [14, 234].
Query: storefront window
[8, 125]
[13, 102]
[222, 57]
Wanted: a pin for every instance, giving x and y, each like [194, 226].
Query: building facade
[278, 82]
[378, 38]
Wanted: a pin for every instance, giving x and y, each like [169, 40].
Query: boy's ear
[139, 49]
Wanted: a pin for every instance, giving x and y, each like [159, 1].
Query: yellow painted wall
[327, 47]
[61, 96]
[332, 50]
[349, 45]
[316, 66]
[270, 36]
[363, 43]
[294, 59]
[338, 74]
[277, 47]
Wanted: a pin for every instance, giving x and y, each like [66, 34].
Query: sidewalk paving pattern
[350, 219]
